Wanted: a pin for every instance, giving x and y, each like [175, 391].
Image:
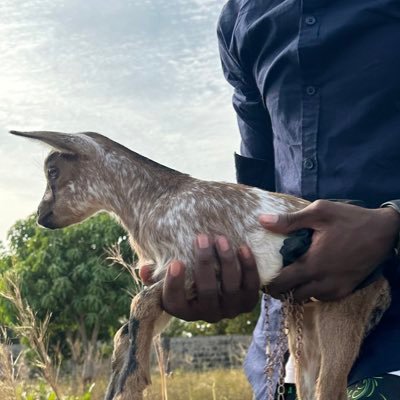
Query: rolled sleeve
[253, 121]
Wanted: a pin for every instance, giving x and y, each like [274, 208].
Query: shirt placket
[311, 97]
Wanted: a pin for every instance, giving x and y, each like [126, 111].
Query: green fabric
[385, 387]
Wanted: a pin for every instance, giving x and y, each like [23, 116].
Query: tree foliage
[66, 273]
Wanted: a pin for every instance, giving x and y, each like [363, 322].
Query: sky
[146, 73]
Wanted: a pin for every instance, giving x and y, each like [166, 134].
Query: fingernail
[175, 269]
[202, 241]
[269, 218]
[222, 243]
[244, 251]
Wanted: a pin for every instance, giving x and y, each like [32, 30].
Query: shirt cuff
[255, 172]
[395, 204]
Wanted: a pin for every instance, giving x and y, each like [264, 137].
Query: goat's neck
[135, 188]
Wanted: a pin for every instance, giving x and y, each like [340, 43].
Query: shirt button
[311, 20]
[308, 163]
[311, 90]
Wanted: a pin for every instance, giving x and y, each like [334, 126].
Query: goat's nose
[46, 220]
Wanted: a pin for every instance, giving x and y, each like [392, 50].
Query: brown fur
[332, 336]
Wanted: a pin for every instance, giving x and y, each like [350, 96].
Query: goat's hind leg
[341, 327]
[308, 364]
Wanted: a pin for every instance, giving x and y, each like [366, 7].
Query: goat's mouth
[46, 221]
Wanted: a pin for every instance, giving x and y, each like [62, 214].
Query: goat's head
[73, 177]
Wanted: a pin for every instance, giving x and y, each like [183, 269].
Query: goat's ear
[65, 142]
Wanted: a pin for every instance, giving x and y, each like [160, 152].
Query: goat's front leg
[341, 327]
[121, 348]
[131, 357]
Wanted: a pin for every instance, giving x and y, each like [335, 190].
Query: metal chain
[299, 320]
[286, 311]
[275, 357]
[270, 362]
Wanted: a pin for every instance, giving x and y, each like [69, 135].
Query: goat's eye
[52, 172]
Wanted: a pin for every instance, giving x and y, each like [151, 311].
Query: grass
[34, 331]
[8, 385]
[221, 384]
[209, 385]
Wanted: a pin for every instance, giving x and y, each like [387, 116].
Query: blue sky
[143, 72]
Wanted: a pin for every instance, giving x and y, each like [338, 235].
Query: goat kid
[164, 210]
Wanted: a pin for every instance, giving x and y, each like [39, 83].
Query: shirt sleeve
[255, 164]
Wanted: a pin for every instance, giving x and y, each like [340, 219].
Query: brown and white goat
[163, 210]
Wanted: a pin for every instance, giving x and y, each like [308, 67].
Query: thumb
[146, 273]
[286, 223]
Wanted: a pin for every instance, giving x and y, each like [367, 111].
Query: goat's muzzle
[46, 220]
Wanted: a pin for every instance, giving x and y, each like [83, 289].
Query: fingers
[321, 290]
[205, 279]
[285, 223]
[230, 269]
[205, 265]
[237, 274]
[291, 276]
[309, 217]
[250, 279]
[305, 292]
[230, 298]
[174, 297]
[206, 306]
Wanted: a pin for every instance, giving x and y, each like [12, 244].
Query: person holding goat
[316, 92]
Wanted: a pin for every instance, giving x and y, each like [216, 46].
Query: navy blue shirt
[317, 96]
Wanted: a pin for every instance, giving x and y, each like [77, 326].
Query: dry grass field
[208, 385]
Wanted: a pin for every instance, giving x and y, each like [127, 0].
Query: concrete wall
[197, 353]
[205, 352]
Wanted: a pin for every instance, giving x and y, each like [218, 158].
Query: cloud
[146, 73]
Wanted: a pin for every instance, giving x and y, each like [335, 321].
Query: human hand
[236, 293]
[348, 243]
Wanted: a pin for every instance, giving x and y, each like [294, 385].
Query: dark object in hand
[296, 245]
[299, 241]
